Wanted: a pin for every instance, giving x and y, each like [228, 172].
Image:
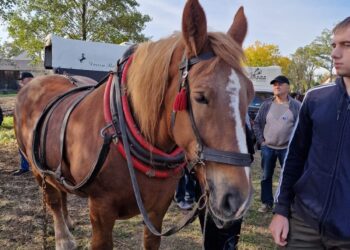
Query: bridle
[204, 153]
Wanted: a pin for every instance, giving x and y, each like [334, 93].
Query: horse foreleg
[150, 241]
[67, 218]
[63, 237]
[102, 221]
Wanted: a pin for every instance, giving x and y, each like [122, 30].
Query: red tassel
[180, 100]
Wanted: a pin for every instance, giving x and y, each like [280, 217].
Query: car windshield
[259, 98]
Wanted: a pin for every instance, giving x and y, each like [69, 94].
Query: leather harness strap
[204, 153]
[40, 134]
[154, 161]
[117, 109]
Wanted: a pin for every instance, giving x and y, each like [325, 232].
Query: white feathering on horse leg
[63, 237]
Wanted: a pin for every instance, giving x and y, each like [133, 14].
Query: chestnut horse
[218, 92]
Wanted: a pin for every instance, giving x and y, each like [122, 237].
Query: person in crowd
[312, 202]
[185, 192]
[24, 78]
[1, 116]
[273, 126]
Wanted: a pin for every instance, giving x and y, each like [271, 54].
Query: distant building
[10, 70]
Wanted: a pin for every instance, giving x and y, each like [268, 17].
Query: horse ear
[239, 27]
[194, 28]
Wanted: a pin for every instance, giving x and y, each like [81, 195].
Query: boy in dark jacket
[312, 203]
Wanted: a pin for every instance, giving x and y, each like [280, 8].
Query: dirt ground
[7, 105]
[21, 216]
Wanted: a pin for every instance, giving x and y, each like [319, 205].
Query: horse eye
[201, 99]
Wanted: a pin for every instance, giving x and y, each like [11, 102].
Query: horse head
[218, 95]
[204, 71]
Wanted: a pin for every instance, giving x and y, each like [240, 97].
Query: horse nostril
[231, 203]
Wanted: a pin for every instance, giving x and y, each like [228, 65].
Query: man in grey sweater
[273, 127]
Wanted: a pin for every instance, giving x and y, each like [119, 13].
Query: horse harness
[130, 145]
[204, 153]
[70, 100]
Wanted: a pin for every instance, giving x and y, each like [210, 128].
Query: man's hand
[279, 229]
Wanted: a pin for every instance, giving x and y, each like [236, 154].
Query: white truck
[261, 78]
[76, 57]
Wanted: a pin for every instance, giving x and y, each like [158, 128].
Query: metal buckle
[102, 131]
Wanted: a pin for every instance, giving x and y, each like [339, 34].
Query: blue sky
[290, 24]
[287, 23]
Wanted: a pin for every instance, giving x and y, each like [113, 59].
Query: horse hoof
[66, 245]
[70, 223]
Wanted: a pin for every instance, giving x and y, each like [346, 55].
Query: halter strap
[205, 153]
[192, 61]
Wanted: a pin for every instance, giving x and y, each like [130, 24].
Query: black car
[254, 106]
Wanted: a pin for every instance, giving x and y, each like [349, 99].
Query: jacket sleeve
[296, 157]
[258, 124]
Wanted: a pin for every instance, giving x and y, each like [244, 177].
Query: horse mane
[148, 76]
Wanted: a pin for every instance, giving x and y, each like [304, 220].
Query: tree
[8, 51]
[262, 55]
[321, 49]
[302, 68]
[306, 60]
[29, 22]
[6, 5]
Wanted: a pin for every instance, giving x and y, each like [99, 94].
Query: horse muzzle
[228, 207]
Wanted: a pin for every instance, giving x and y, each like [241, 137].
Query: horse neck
[161, 136]
[150, 87]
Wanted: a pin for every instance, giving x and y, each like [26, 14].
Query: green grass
[7, 133]
[255, 233]
[10, 94]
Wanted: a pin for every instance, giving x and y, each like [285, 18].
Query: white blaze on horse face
[233, 88]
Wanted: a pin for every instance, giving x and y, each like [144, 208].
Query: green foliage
[6, 5]
[322, 49]
[261, 55]
[306, 60]
[7, 134]
[30, 21]
[300, 68]
[301, 71]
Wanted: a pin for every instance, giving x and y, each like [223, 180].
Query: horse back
[30, 103]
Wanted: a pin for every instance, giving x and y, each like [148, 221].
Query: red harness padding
[146, 169]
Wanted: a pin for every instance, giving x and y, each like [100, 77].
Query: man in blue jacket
[312, 203]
